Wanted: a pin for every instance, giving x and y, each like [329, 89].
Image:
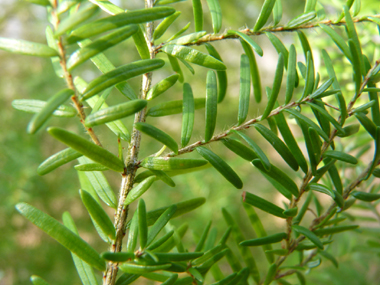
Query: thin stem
[308, 177]
[131, 163]
[278, 29]
[70, 83]
[244, 126]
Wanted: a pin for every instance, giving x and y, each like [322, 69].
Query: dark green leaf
[95, 102]
[301, 19]
[141, 43]
[338, 155]
[277, 12]
[133, 268]
[75, 19]
[356, 68]
[160, 241]
[160, 224]
[248, 40]
[292, 74]
[180, 32]
[308, 122]
[182, 208]
[101, 44]
[187, 114]
[352, 35]
[120, 74]
[188, 66]
[326, 115]
[171, 280]
[100, 184]
[171, 163]
[221, 166]
[259, 153]
[278, 145]
[216, 14]
[113, 113]
[97, 213]
[271, 274]
[35, 106]
[198, 15]
[184, 40]
[321, 89]
[173, 107]
[276, 87]
[290, 141]
[239, 148]
[51, 105]
[138, 190]
[309, 77]
[310, 5]
[265, 240]
[56, 160]
[133, 233]
[162, 86]
[63, 235]
[193, 56]
[90, 167]
[263, 205]
[279, 46]
[369, 126]
[329, 257]
[164, 25]
[364, 196]
[143, 227]
[91, 150]
[245, 89]
[255, 74]
[119, 20]
[334, 230]
[27, 48]
[173, 241]
[308, 234]
[207, 255]
[338, 40]
[202, 239]
[222, 74]
[175, 66]
[207, 265]
[85, 271]
[338, 96]
[364, 107]
[277, 175]
[305, 45]
[163, 176]
[157, 135]
[291, 212]
[265, 12]
[175, 257]
[105, 66]
[211, 104]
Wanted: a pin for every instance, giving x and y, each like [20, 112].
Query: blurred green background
[25, 250]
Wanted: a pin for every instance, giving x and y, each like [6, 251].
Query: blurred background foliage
[25, 250]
